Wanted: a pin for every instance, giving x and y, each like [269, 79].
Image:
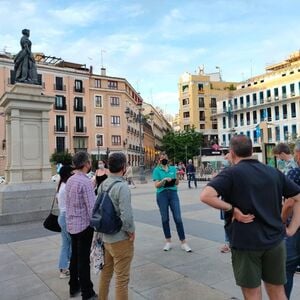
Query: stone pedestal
[28, 190]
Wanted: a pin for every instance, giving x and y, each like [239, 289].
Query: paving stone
[14, 270]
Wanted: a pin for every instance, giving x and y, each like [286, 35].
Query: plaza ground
[29, 256]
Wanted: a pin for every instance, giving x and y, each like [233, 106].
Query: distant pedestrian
[101, 174]
[283, 152]
[166, 181]
[65, 173]
[80, 200]
[252, 200]
[119, 247]
[129, 176]
[191, 173]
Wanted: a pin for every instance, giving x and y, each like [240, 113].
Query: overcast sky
[151, 43]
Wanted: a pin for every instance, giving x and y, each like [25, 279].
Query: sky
[152, 43]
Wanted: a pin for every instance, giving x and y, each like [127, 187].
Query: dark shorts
[250, 267]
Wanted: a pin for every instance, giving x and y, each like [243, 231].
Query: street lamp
[139, 120]
[98, 146]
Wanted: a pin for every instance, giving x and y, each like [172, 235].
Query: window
[248, 118]
[254, 136]
[277, 133]
[79, 125]
[60, 143]
[292, 88]
[59, 84]
[186, 114]
[40, 79]
[80, 143]
[98, 101]
[185, 88]
[213, 102]
[276, 94]
[200, 87]
[235, 120]
[60, 123]
[269, 114]
[269, 95]
[269, 134]
[242, 102]
[201, 102]
[185, 101]
[186, 127]
[78, 104]
[276, 113]
[224, 122]
[114, 101]
[254, 115]
[283, 89]
[254, 99]
[248, 133]
[242, 119]
[261, 97]
[285, 132]
[116, 140]
[293, 110]
[99, 120]
[224, 139]
[248, 100]
[112, 84]
[97, 83]
[262, 113]
[294, 131]
[202, 126]
[60, 102]
[115, 120]
[224, 106]
[284, 111]
[99, 140]
[235, 103]
[78, 86]
[202, 115]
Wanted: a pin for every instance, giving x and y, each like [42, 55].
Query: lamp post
[139, 120]
[98, 146]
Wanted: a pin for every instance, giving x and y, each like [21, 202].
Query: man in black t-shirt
[251, 196]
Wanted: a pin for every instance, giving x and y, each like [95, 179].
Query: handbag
[97, 253]
[51, 222]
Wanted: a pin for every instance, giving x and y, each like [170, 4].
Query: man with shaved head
[251, 194]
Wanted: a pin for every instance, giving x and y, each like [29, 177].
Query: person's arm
[295, 221]
[89, 197]
[210, 197]
[126, 213]
[287, 209]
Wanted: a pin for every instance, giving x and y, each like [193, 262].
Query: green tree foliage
[64, 158]
[183, 144]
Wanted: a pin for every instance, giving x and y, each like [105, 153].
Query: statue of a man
[25, 67]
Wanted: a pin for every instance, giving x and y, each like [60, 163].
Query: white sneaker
[186, 247]
[167, 247]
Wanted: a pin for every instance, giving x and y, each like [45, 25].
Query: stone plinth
[28, 190]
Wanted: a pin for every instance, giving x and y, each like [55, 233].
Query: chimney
[91, 69]
[103, 71]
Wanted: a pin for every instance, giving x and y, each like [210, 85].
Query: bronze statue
[25, 67]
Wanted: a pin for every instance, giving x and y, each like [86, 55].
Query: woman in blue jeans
[166, 181]
[65, 173]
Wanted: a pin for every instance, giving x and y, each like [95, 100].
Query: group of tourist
[261, 208]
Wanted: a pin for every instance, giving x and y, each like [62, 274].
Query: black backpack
[104, 217]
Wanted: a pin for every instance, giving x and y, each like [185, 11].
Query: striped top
[80, 200]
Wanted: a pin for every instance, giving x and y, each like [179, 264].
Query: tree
[182, 145]
[64, 158]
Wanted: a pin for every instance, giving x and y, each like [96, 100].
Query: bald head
[241, 145]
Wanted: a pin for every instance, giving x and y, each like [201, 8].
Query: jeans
[192, 177]
[292, 261]
[117, 259]
[165, 199]
[65, 250]
[80, 275]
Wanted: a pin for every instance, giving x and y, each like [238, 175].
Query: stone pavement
[29, 255]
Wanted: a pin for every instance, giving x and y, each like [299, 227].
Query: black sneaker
[74, 292]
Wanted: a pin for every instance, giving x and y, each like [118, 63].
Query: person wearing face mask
[101, 174]
[166, 180]
[80, 201]
[119, 247]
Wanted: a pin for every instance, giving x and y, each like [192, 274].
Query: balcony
[79, 108]
[59, 87]
[60, 107]
[60, 128]
[79, 129]
[78, 89]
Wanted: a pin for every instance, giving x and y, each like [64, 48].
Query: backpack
[104, 217]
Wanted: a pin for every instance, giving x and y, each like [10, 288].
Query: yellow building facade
[198, 97]
[265, 107]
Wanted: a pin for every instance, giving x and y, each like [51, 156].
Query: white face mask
[101, 166]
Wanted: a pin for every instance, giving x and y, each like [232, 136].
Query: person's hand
[131, 236]
[168, 179]
[240, 217]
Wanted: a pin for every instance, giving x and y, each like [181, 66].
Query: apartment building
[88, 112]
[264, 107]
[198, 97]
